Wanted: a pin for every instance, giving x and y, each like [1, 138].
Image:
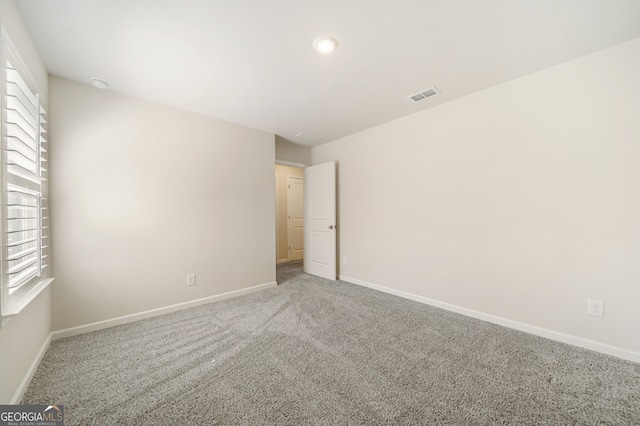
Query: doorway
[289, 213]
[295, 215]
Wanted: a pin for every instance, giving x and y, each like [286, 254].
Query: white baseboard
[527, 328]
[86, 328]
[24, 384]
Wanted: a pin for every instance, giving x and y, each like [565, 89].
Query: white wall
[520, 201]
[23, 336]
[12, 21]
[142, 195]
[23, 341]
[292, 153]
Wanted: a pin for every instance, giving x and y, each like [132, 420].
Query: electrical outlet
[595, 308]
[344, 260]
[191, 279]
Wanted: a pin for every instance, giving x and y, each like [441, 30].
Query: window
[24, 204]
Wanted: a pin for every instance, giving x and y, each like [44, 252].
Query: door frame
[289, 213]
[279, 259]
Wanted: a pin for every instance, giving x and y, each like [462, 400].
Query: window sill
[25, 300]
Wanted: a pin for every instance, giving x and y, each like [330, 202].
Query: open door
[295, 217]
[320, 220]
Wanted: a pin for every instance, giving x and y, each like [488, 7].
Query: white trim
[99, 325]
[527, 328]
[301, 178]
[26, 380]
[291, 164]
[24, 300]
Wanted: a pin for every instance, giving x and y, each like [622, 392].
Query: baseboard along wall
[24, 384]
[99, 325]
[527, 328]
[81, 329]
[549, 334]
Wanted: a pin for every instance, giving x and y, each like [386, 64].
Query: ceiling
[251, 62]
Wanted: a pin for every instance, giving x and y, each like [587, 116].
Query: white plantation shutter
[22, 127]
[24, 208]
[23, 158]
[44, 199]
[22, 235]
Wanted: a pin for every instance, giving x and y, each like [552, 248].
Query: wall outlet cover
[191, 279]
[595, 308]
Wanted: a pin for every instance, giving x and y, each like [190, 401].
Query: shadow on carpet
[312, 351]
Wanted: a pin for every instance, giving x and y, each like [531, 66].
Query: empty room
[343, 212]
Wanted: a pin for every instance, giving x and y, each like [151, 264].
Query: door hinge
[289, 247]
[289, 186]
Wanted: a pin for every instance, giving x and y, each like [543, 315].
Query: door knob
[330, 226]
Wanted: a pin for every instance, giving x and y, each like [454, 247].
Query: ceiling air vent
[424, 94]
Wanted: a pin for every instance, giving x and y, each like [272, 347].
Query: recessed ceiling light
[325, 44]
[99, 83]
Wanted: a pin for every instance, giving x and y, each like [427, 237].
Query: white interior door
[320, 220]
[295, 217]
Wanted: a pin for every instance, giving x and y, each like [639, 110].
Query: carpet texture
[312, 351]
